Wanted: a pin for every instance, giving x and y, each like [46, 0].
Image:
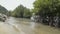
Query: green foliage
[3, 10]
[9, 13]
[27, 12]
[47, 7]
[18, 12]
[21, 11]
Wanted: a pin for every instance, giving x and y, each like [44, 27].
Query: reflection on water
[25, 26]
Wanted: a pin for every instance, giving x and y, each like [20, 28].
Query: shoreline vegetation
[48, 11]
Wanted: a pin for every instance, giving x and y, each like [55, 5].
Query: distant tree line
[21, 12]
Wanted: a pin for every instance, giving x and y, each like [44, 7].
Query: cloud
[12, 4]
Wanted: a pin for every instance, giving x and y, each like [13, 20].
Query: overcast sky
[12, 4]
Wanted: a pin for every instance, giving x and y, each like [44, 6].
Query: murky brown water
[25, 26]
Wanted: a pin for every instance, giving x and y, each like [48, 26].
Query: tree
[9, 13]
[27, 13]
[3, 10]
[18, 12]
[21, 11]
[48, 8]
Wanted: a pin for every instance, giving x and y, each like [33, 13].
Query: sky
[12, 4]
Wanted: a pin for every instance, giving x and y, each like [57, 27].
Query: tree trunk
[50, 21]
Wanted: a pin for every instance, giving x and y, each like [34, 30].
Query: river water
[25, 26]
